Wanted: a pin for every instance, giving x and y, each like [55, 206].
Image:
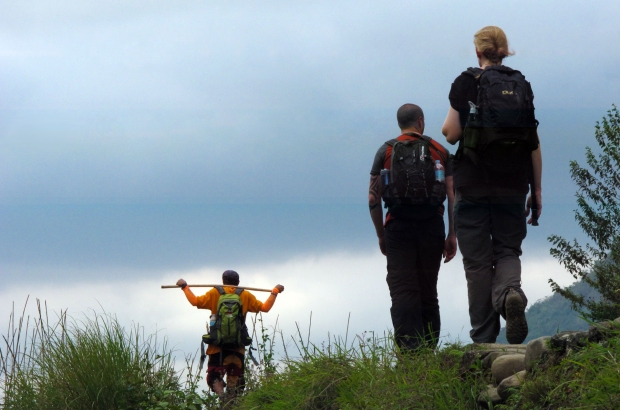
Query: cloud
[328, 286]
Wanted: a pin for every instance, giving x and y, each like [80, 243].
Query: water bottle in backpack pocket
[412, 176]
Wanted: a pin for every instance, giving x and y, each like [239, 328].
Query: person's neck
[484, 63]
[414, 130]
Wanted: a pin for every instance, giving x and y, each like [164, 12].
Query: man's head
[230, 277]
[410, 118]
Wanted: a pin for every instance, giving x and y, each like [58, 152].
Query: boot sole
[516, 323]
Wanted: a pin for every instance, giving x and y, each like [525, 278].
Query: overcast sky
[142, 141]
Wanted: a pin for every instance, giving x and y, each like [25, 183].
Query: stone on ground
[510, 384]
[506, 366]
[537, 350]
[489, 396]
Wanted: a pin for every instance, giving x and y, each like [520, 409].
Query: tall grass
[367, 372]
[91, 363]
[94, 363]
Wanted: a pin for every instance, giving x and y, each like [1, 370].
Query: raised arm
[268, 304]
[188, 292]
[376, 213]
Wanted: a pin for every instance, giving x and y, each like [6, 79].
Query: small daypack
[500, 133]
[412, 174]
[229, 330]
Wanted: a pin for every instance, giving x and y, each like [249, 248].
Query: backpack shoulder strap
[238, 291]
[473, 72]
[220, 289]
[441, 150]
[392, 142]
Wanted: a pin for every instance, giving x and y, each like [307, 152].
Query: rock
[470, 358]
[490, 358]
[499, 347]
[603, 330]
[510, 384]
[486, 353]
[489, 396]
[537, 350]
[568, 341]
[505, 366]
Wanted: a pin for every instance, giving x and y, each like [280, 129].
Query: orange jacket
[249, 303]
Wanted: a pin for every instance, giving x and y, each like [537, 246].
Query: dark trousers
[489, 230]
[414, 250]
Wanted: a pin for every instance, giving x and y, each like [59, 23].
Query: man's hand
[280, 288]
[181, 283]
[529, 206]
[382, 245]
[449, 248]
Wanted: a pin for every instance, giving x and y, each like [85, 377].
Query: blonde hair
[492, 43]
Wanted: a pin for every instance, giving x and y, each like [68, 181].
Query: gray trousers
[489, 230]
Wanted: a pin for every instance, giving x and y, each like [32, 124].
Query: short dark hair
[408, 115]
[230, 277]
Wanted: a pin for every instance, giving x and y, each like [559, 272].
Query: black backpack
[412, 174]
[500, 133]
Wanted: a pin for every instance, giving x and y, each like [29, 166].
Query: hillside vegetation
[94, 363]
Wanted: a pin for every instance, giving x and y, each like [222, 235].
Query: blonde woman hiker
[491, 117]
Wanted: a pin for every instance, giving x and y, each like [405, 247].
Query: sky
[145, 141]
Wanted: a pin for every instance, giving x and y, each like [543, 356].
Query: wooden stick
[212, 286]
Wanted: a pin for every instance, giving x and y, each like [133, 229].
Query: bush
[92, 363]
[598, 214]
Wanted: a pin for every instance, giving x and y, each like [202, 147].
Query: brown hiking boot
[516, 323]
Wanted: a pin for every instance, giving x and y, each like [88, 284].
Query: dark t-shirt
[383, 159]
[469, 179]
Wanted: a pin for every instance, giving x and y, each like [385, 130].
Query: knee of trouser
[214, 375]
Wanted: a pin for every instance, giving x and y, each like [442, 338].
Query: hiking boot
[516, 323]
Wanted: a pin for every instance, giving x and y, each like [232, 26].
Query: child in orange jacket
[228, 362]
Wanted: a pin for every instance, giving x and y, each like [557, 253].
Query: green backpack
[229, 330]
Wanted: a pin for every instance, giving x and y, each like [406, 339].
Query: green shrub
[92, 363]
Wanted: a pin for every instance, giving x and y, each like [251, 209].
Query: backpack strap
[220, 289]
[392, 142]
[473, 72]
[428, 140]
[238, 291]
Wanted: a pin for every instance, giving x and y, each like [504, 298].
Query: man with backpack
[228, 333]
[491, 115]
[412, 175]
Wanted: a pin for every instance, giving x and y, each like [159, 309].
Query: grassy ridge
[94, 363]
[368, 374]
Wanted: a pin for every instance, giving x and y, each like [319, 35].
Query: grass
[367, 373]
[94, 363]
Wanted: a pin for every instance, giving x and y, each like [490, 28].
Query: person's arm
[537, 168]
[376, 213]
[268, 304]
[188, 292]
[450, 245]
[451, 128]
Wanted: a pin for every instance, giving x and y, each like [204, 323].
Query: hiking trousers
[489, 231]
[414, 250]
